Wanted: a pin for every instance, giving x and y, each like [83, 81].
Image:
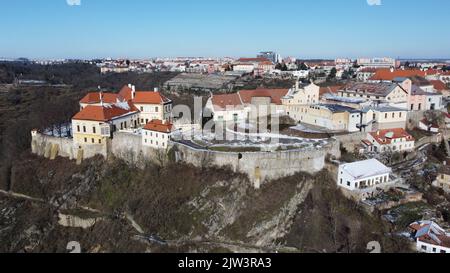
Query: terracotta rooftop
[384, 137]
[274, 94]
[388, 75]
[158, 126]
[94, 97]
[430, 232]
[253, 60]
[220, 102]
[125, 92]
[149, 97]
[439, 85]
[105, 113]
[330, 89]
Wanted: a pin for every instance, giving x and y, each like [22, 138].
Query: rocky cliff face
[173, 208]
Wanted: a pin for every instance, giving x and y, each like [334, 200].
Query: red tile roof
[429, 124]
[105, 113]
[439, 85]
[149, 97]
[430, 232]
[94, 97]
[274, 94]
[256, 60]
[368, 70]
[330, 89]
[158, 126]
[386, 136]
[387, 75]
[220, 102]
[125, 92]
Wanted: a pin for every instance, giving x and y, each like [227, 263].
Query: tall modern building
[270, 55]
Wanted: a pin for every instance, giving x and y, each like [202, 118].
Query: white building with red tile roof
[389, 140]
[430, 237]
[151, 104]
[156, 134]
[95, 123]
[127, 109]
[246, 104]
[97, 98]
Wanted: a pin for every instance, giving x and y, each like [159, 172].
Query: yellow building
[297, 96]
[95, 124]
[332, 117]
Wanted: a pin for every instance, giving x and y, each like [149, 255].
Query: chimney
[392, 70]
[156, 89]
[133, 91]
[129, 85]
[101, 98]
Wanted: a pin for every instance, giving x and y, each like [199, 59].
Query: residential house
[382, 117]
[250, 65]
[263, 68]
[156, 134]
[151, 104]
[382, 92]
[433, 98]
[246, 104]
[441, 87]
[97, 98]
[427, 126]
[389, 74]
[94, 124]
[389, 140]
[365, 74]
[363, 179]
[445, 77]
[298, 97]
[430, 237]
[443, 178]
[244, 67]
[418, 99]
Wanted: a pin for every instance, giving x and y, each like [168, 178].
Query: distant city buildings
[377, 62]
[271, 56]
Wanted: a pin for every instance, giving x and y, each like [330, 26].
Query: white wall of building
[430, 248]
[155, 139]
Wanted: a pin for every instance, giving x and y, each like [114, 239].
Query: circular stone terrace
[242, 140]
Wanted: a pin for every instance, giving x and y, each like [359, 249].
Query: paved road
[190, 144]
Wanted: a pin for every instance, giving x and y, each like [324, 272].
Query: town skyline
[61, 29]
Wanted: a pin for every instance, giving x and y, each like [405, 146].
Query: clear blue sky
[150, 28]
